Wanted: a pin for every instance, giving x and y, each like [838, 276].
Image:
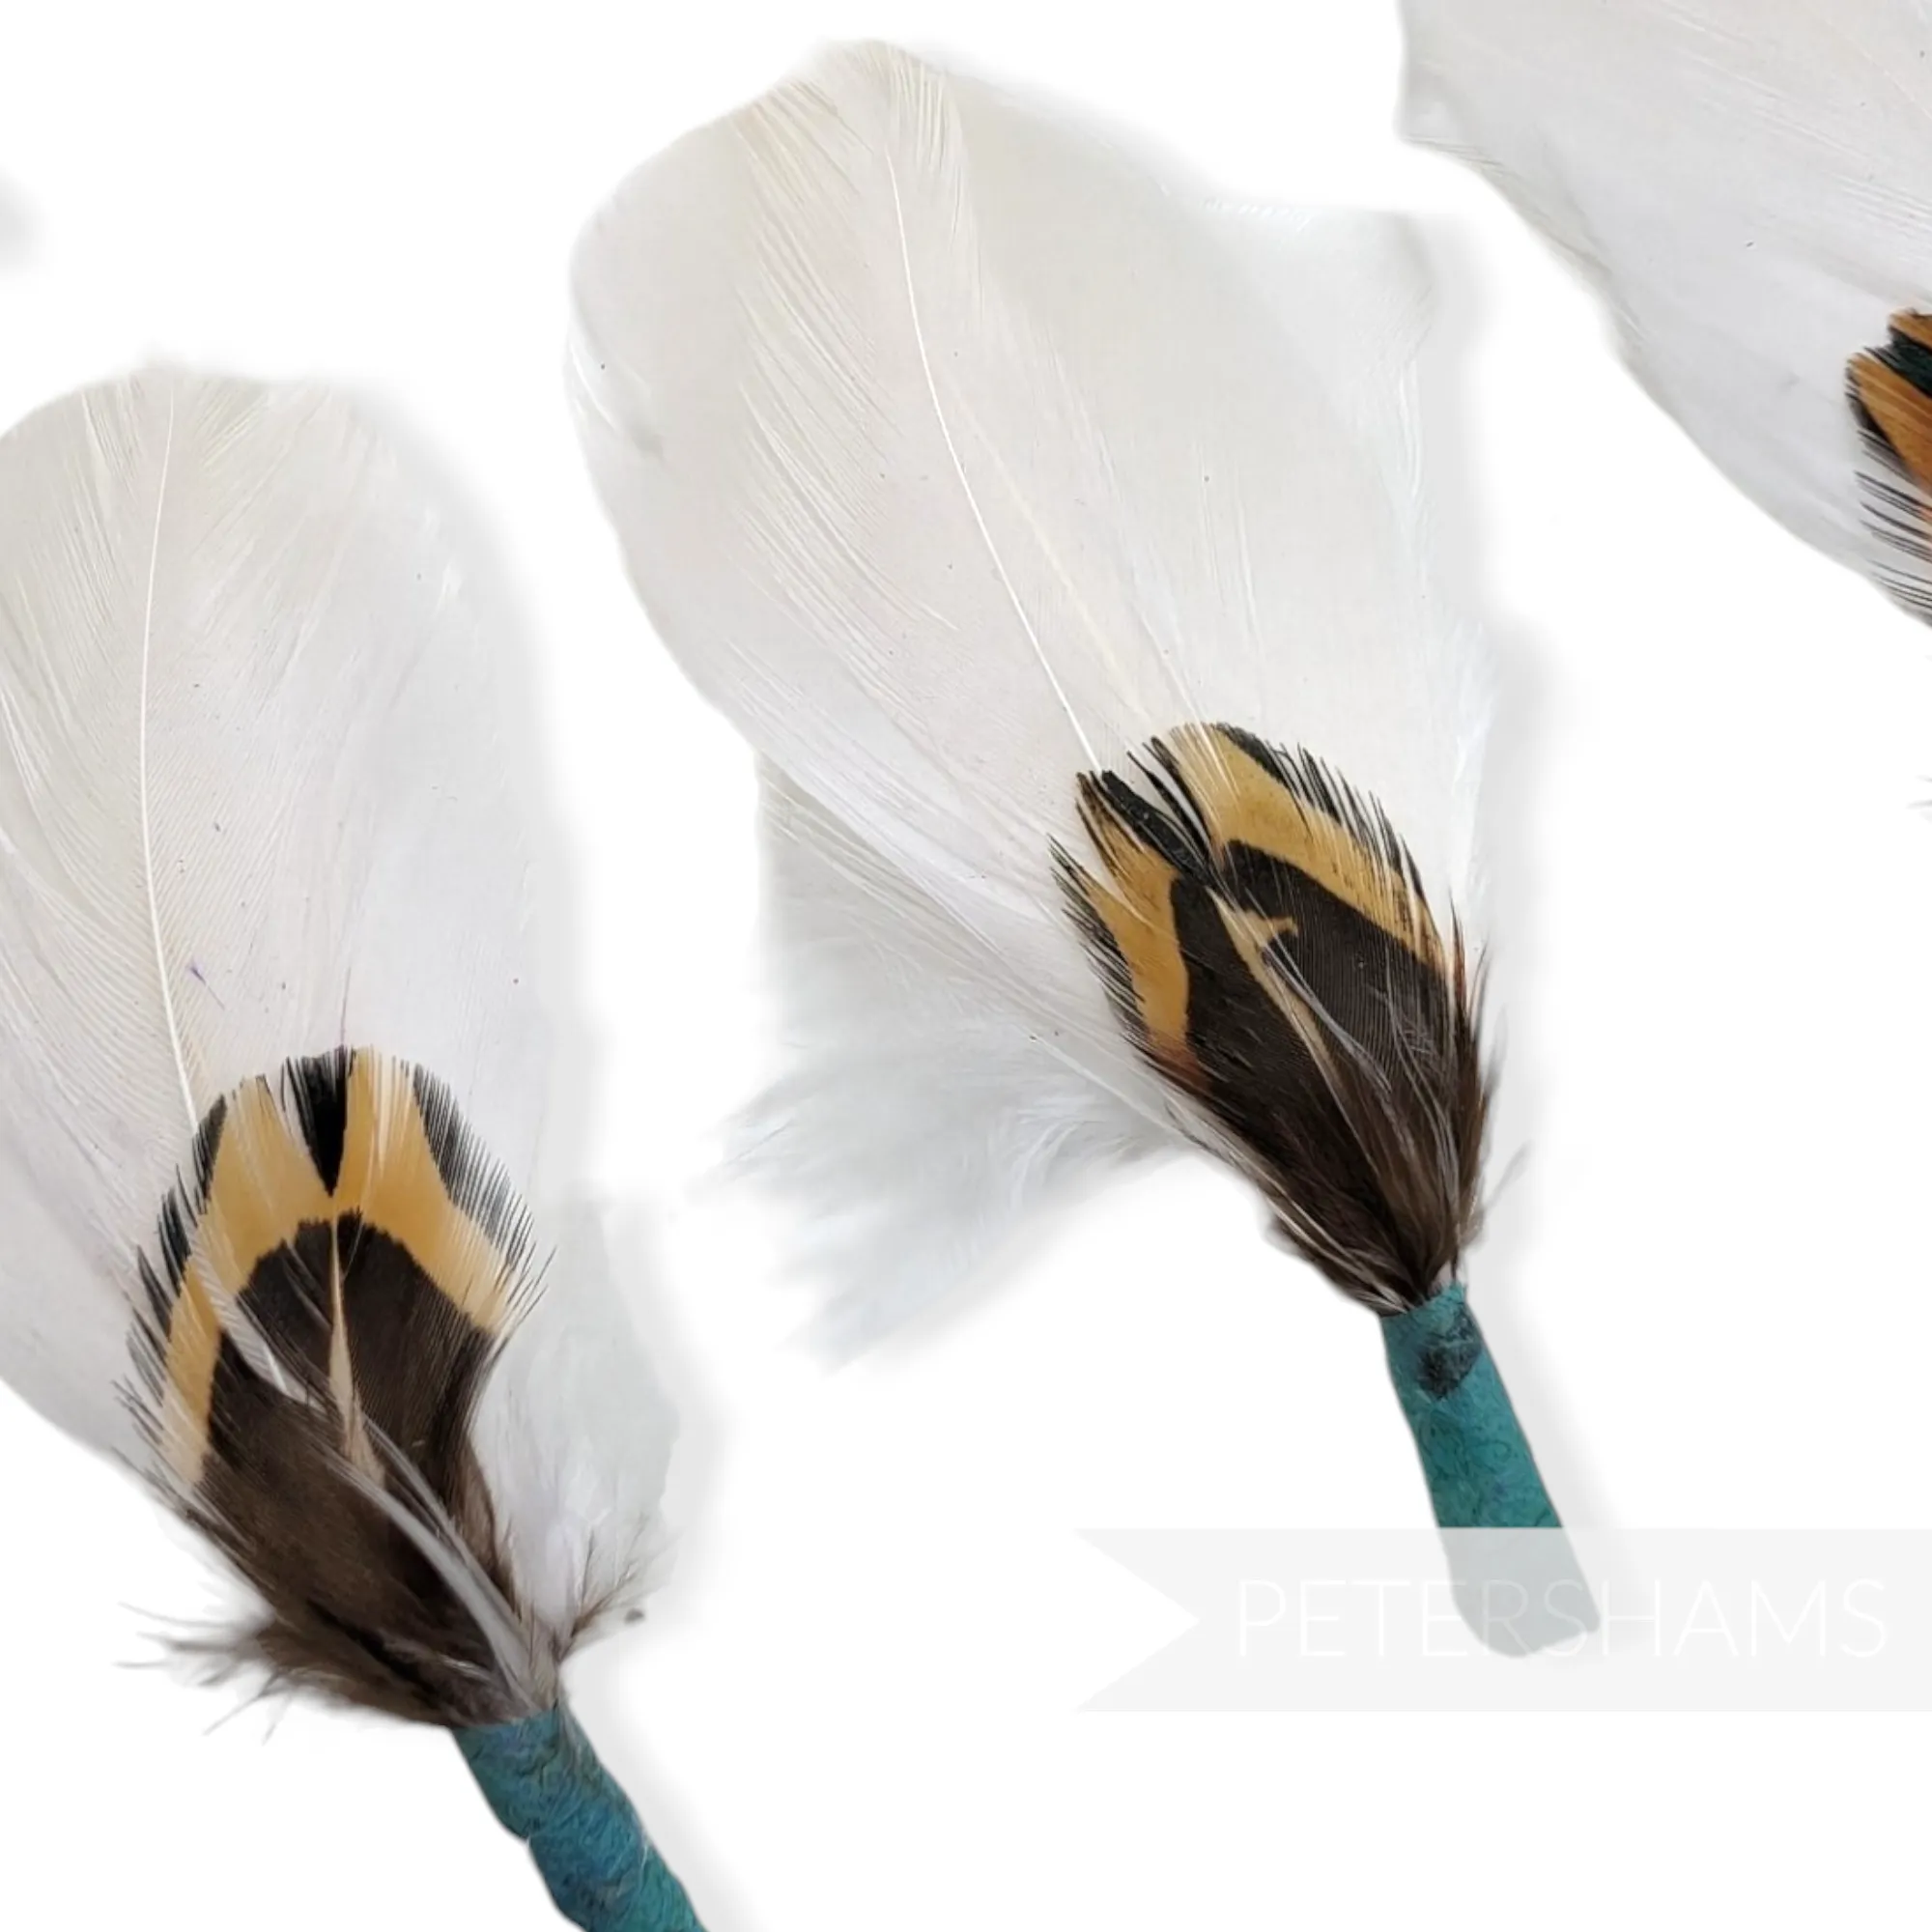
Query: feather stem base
[1515, 1576]
[1474, 1454]
[547, 1787]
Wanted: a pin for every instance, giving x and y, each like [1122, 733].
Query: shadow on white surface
[16, 228]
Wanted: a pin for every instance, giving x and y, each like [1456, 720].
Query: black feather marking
[1328, 1028]
[318, 1414]
[1889, 390]
[319, 1089]
[206, 1143]
[288, 1299]
[419, 1362]
[474, 1181]
[174, 1233]
[354, 1601]
[1904, 355]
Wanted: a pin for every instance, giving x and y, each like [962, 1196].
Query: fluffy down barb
[918, 1123]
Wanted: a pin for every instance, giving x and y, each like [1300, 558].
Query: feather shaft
[147, 819]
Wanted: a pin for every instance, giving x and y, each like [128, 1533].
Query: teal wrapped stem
[1481, 1474]
[546, 1785]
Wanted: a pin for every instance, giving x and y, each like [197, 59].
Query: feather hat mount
[1055, 538]
[1745, 183]
[275, 1075]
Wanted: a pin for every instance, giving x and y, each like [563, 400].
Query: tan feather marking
[1915, 326]
[194, 1348]
[1137, 909]
[1242, 801]
[1272, 926]
[1902, 412]
[263, 1188]
[390, 1178]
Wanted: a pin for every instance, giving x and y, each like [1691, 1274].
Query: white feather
[919, 1122]
[955, 452]
[575, 1432]
[257, 801]
[1746, 182]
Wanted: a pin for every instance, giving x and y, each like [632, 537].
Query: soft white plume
[956, 452]
[919, 1120]
[1749, 186]
[261, 799]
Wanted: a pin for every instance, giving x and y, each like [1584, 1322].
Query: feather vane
[961, 460]
[1743, 183]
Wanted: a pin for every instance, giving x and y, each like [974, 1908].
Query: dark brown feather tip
[328, 1293]
[1889, 391]
[1267, 942]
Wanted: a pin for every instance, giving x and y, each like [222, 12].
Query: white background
[855, 1703]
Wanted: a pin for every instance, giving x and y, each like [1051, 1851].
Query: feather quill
[1745, 183]
[273, 1067]
[1056, 540]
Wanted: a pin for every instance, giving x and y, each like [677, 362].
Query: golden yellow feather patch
[1913, 327]
[1892, 395]
[330, 1286]
[1264, 937]
[1244, 796]
[344, 1203]
[1217, 808]
[1132, 902]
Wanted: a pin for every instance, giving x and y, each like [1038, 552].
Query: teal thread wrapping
[1481, 1474]
[546, 1785]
